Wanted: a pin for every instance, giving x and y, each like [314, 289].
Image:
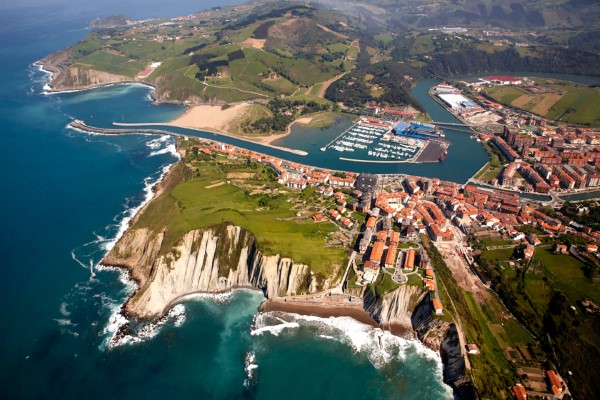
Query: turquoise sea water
[67, 195]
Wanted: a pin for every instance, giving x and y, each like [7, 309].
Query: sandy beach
[320, 311]
[216, 119]
[213, 118]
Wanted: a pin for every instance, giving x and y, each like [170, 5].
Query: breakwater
[82, 126]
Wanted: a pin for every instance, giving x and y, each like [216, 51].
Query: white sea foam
[172, 149]
[274, 329]
[63, 309]
[129, 284]
[158, 142]
[250, 367]
[219, 298]
[379, 346]
[46, 79]
[64, 322]
[144, 332]
[328, 337]
[50, 91]
[117, 320]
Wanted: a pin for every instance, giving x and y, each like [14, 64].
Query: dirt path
[463, 275]
[326, 84]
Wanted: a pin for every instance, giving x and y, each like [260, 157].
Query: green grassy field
[506, 94]
[111, 63]
[496, 242]
[322, 119]
[280, 85]
[570, 102]
[195, 204]
[568, 275]
[498, 255]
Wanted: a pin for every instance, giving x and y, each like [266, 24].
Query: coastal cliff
[213, 260]
[394, 310]
[225, 257]
[67, 76]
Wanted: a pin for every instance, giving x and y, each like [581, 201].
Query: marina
[373, 139]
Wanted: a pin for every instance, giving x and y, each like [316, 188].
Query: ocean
[66, 197]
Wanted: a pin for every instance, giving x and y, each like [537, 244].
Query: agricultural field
[563, 101]
[568, 275]
[111, 63]
[545, 294]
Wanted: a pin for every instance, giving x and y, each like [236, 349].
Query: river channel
[465, 155]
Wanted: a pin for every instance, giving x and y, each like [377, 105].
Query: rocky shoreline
[225, 258]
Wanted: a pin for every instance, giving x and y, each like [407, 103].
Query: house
[409, 261]
[318, 217]
[429, 284]
[371, 271]
[533, 239]
[347, 222]
[371, 222]
[429, 273]
[519, 392]
[341, 182]
[376, 253]
[390, 258]
[592, 248]
[437, 306]
[325, 190]
[528, 252]
[364, 207]
[365, 241]
[333, 214]
[561, 249]
[555, 383]
[394, 238]
[516, 235]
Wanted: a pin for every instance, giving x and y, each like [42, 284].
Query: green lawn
[497, 255]
[407, 245]
[568, 273]
[496, 242]
[193, 205]
[414, 280]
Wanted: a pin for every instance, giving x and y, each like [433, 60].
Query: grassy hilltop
[361, 52]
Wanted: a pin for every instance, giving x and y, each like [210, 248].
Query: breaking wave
[378, 345]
